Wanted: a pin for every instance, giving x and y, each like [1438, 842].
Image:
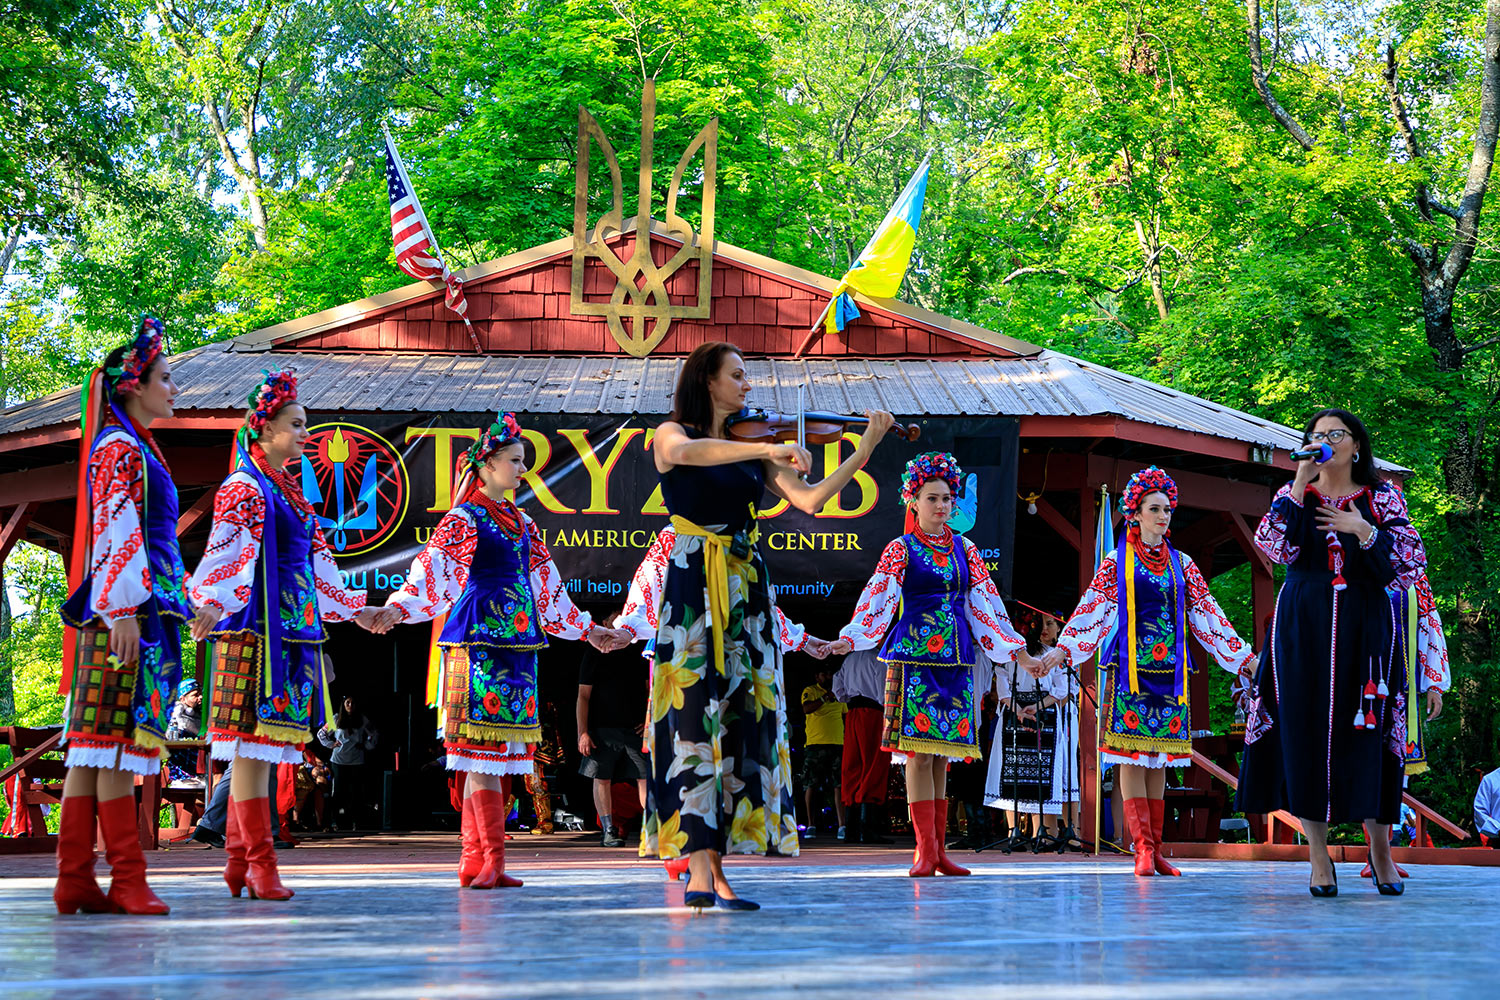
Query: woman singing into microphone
[1327, 734]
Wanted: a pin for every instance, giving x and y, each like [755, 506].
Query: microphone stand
[1010, 841]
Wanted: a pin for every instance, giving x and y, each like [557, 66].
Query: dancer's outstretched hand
[816, 648]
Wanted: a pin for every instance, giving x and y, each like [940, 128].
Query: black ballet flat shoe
[1386, 888]
[737, 904]
[699, 900]
[1326, 891]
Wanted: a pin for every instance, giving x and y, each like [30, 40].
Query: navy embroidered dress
[1327, 646]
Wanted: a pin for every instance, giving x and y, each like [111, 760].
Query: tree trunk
[1151, 250]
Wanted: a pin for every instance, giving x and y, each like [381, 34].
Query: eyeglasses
[1332, 437]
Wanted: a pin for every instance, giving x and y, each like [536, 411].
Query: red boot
[923, 824]
[1158, 817]
[235, 864]
[261, 875]
[945, 864]
[471, 855]
[489, 814]
[128, 891]
[676, 867]
[1138, 819]
[76, 888]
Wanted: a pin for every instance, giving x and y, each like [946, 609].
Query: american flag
[416, 251]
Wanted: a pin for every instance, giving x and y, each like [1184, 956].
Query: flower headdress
[266, 400]
[926, 467]
[504, 431]
[143, 350]
[1148, 480]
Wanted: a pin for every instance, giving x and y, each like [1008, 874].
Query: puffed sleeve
[118, 566]
[1284, 527]
[879, 601]
[791, 636]
[560, 616]
[986, 612]
[639, 616]
[1432, 648]
[336, 603]
[441, 570]
[1210, 626]
[1094, 616]
[1396, 552]
[226, 575]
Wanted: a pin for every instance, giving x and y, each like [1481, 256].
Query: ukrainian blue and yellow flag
[878, 270]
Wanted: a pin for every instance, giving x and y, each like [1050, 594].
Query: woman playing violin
[718, 698]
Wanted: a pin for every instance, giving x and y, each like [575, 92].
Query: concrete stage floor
[384, 918]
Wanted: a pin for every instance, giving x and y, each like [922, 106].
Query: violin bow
[802, 416]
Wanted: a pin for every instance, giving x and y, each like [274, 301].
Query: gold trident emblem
[640, 292]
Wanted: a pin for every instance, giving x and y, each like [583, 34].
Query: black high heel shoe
[1326, 891]
[1386, 888]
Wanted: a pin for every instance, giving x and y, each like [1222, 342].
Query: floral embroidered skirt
[1143, 729]
[930, 709]
[491, 718]
[721, 762]
[246, 720]
[117, 715]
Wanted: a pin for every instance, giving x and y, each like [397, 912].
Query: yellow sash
[716, 562]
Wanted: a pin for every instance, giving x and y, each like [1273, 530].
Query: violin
[817, 427]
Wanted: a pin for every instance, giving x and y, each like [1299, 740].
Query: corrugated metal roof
[1051, 384]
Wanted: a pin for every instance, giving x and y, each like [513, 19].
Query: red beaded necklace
[941, 543]
[505, 513]
[1155, 560]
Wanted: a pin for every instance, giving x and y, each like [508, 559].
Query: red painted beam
[15, 528]
[1059, 524]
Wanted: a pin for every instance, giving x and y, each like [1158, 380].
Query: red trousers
[867, 768]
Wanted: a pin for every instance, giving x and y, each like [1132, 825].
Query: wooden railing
[31, 755]
[1425, 813]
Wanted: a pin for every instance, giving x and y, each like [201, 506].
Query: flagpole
[812, 334]
[1099, 720]
[426, 227]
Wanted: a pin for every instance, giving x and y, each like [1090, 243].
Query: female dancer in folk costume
[639, 619]
[1328, 733]
[930, 600]
[488, 571]
[1148, 596]
[716, 700]
[128, 610]
[266, 585]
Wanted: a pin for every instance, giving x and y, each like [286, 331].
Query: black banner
[380, 482]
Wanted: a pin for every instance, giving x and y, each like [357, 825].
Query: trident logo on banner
[356, 483]
[640, 291]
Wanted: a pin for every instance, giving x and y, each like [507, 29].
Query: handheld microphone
[1319, 453]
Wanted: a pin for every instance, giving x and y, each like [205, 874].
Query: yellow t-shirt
[826, 725]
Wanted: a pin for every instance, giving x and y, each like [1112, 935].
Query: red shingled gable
[527, 310]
